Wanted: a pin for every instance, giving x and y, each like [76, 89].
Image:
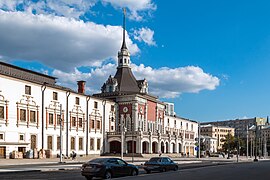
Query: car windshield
[154, 160]
[99, 160]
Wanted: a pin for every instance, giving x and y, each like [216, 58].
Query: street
[247, 171]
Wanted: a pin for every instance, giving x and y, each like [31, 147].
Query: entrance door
[33, 142]
[2, 152]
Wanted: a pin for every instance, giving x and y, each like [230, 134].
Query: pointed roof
[126, 80]
[124, 46]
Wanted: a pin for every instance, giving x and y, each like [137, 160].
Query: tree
[229, 143]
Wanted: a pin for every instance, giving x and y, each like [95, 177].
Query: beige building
[218, 132]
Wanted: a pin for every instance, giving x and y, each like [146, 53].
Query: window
[98, 144]
[187, 126]
[55, 96]
[77, 100]
[112, 107]
[72, 140]
[91, 144]
[92, 124]
[50, 118]
[58, 143]
[95, 104]
[32, 116]
[1, 112]
[21, 137]
[168, 121]
[28, 90]
[98, 124]
[23, 115]
[49, 142]
[80, 122]
[1, 136]
[80, 143]
[58, 119]
[73, 122]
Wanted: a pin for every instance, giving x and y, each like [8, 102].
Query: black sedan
[161, 164]
[107, 168]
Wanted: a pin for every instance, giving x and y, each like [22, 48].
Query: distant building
[169, 109]
[240, 125]
[210, 143]
[218, 132]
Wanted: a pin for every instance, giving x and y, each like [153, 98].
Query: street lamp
[255, 160]
[123, 129]
[60, 133]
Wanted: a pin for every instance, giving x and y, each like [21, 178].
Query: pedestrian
[73, 155]
[159, 153]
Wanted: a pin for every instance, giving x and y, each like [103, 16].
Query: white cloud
[146, 35]
[170, 83]
[163, 82]
[136, 7]
[59, 42]
[66, 8]
[77, 8]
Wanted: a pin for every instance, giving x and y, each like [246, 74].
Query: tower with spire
[124, 81]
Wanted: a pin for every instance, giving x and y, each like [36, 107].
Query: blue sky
[211, 58]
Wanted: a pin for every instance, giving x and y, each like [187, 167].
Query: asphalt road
[246, 171]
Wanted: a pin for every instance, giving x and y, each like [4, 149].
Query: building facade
[142, 117]
[218, 132]
[32, 107]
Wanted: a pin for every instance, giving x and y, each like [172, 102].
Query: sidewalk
[137, 160]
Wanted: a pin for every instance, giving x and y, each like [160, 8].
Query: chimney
[81, 86]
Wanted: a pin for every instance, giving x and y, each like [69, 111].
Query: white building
[30, 115]
[169, 109]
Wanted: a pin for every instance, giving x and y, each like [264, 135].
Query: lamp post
[255, 159]
[228, 146]
[247, 141]
[43, 88]
[123, 129]
[60, 121]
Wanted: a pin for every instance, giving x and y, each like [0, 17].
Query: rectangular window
[112, 107]
[23, 115]
[77, 100]
[49, 142]
[32, 116]
[72, 143]
[91, 144]
[2, 112]
[80, 143]
[58, 119]
[98, 124]
[58, 143]
[50, 118]
[80, 122]
[21, 137]
[95, 104]
[55, 96]
[28, 90]
[98, 144]
[92, 124]
[1, 136]
[73, 121]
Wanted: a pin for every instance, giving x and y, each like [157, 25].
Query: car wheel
[134, 172]
[108, 175]
[175, 168]
[163, 170]
[148, 171]
[89, 177]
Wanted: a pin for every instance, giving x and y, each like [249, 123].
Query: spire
[124, 46]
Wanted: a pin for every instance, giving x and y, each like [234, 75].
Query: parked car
[107, 168]
[161, 164]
